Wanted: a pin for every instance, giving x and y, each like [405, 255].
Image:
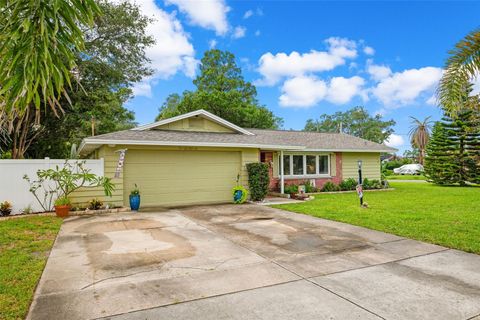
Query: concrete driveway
[248, 262]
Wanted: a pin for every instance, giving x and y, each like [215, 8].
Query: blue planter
[134, 202]
[237, 195]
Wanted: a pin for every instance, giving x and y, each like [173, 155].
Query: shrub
[392, 164]
[27, 210]
[95, 204]
[291, 188]
[309, 188]
[5, 208]
[348, 184]
[367, 184]
[387, 172]
[329, 187]
[258, 180]
[375, 184]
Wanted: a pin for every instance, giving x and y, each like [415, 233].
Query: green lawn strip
[24, 247]
[448, 216]
[406, 177]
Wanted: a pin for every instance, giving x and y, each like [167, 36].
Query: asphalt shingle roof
[308, 140]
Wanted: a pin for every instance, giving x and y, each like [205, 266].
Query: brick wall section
[319, 182]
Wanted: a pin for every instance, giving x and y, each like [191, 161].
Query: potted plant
[5, 208]
[135, 199]
[239, 192]
[62, 206]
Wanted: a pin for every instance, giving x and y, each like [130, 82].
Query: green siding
[370, 165]
[195, 124]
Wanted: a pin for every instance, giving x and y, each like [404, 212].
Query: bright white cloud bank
[307, 91]
[302, 86]
[274, 68]
[395, 141]
[209, 14]
[405, 87]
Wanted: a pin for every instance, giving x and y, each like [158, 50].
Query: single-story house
[195, 158]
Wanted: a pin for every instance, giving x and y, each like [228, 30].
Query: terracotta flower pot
[62, 211]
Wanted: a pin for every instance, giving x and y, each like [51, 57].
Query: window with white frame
[305, 165]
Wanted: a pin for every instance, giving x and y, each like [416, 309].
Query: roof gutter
[99, 142]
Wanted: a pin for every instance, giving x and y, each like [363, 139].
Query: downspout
[282, 180]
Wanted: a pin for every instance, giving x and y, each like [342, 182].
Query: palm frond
[462, 66]
[38, 43]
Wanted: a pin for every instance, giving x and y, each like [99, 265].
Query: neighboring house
[195, 158]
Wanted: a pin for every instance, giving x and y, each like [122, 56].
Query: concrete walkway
[248, 262]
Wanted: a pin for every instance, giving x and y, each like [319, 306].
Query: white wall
[15, 189]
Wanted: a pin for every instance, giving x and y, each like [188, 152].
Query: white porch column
[282, 180]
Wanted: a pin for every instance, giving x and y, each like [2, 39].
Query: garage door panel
[181, 177]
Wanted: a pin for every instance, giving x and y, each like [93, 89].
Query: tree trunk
[23, 133]
[421, 156]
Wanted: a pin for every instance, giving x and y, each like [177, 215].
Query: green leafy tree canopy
[113, 60]
[222, 90]
[356, 122]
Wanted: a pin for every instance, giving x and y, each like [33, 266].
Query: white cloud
[307, 91]
[405, 87]
[212, 43]
[172, 51]
[395, 141]
[378, 72]
[143, 88]
[369, 51]
[209, 14]
[341, 90]
[248, 14]
[239, 32]
[302, 92]
[257, 33]
[275, 67]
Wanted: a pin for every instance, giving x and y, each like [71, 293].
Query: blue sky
[311, 57]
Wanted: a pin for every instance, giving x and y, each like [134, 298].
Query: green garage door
[176, 178]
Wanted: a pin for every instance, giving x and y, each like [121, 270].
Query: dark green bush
[375, 184]
[309, 188]
[258, 180]
[367, 184]
[290, 188]
[390, 165]
[348, 184]
[329, 187]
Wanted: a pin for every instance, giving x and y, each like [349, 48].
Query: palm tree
[419, 135]
[462, 66]
[39, 41]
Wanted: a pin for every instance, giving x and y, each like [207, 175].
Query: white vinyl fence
[15, 189]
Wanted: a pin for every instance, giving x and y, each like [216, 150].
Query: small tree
[419, 135]
[258, 180]
[453, 152]
[56, 183]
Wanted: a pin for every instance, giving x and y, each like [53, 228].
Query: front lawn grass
[24, 247]
[406, 177]
[448, 216]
